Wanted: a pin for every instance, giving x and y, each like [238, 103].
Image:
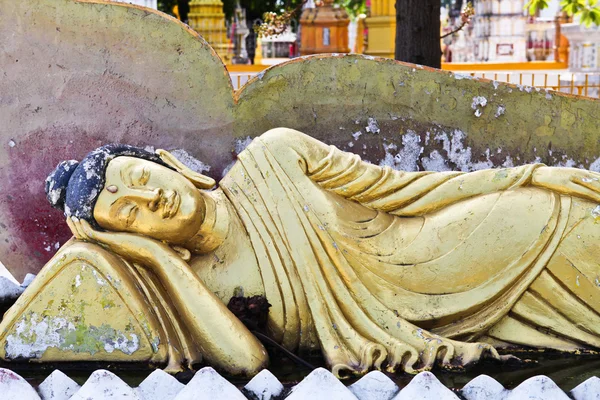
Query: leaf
[595, 15]
[572, 7]
[534, 5]
[586, 18]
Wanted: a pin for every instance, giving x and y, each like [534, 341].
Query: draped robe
[373, 264]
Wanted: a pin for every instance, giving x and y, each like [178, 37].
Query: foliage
[275, 22]
[354, 7]
[255, 9]
[588, 11]
[166, 6]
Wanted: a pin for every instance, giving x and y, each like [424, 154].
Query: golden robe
[366, 263]
[370, 264]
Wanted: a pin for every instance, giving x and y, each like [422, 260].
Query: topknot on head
[58, 181]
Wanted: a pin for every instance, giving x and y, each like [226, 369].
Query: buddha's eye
[141, 176]
[128, 214]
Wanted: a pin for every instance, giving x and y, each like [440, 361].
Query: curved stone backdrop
[75, 75]
[416, 118]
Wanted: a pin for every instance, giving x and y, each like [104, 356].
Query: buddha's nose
[153, 204]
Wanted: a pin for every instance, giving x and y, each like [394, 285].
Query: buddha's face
[144, 197]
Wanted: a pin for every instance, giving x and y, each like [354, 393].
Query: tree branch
[465, 17]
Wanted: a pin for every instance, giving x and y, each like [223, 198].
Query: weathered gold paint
[376, 267]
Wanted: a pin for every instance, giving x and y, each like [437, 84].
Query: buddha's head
[128, 189]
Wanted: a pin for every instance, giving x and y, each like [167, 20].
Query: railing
[506, 66]
[579, 84]
[543, 75]
[549, 75]
[240, 74]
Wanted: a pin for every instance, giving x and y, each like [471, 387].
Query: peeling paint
[406, 159]
[435, 162]
[595, 166]
[458, 154]
[241, 144]
[478, 101]
[190, 161]
[34, 335]
[525, 88]
[459, 76]
[372, 126]
[567, 162]
[508, 162]
[596, 212]
[500, 111]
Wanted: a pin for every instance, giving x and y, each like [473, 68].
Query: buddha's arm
[224, 341]
[571, 181]
[414, 193]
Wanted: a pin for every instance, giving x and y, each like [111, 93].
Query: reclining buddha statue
[374, 267]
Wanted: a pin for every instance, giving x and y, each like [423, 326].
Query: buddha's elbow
[247, 365]
[255, 363]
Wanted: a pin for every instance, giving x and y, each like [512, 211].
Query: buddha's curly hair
[74, 187]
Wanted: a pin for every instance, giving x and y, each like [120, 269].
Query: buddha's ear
[199, 180]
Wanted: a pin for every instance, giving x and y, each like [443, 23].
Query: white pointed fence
[207, 384]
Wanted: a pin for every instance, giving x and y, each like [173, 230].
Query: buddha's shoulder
[283, 138]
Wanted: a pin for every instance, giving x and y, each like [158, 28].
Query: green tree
[166, 6]
[354, 7]
[588, 11]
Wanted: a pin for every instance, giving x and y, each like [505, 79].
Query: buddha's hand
[131, 246]
[571, 181]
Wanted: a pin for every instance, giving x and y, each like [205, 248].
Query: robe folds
[413, 268]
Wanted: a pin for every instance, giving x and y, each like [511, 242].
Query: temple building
[208, 19]
[381, 28]
[324, 29]
[499, 31]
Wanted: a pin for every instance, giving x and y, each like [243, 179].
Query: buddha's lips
[171, 205]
